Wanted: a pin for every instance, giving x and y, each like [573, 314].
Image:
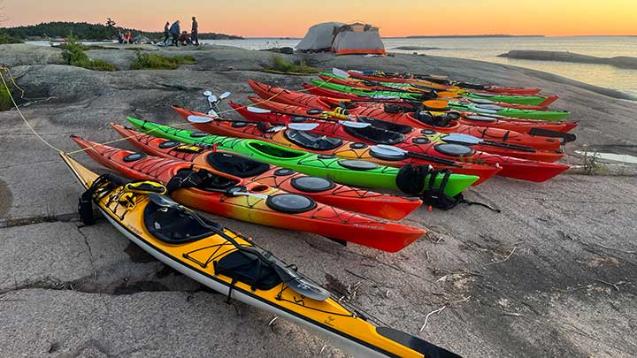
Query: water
[488, 49]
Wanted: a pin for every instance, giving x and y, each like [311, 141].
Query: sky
[281, 18]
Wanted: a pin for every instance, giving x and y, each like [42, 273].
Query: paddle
[295, 126]
[469, 140]
[310, 112]
[391, 150]
[214, 100]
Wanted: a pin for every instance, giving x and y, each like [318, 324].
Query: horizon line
[385, 37]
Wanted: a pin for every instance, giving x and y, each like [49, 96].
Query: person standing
[175, 32]
[194, 34]
[166, 33]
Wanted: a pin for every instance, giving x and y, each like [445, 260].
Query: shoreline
[533, 280]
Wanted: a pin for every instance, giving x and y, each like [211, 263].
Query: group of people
[181, 37]
[125, 38]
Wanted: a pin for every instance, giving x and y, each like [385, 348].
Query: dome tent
[319, 37]
[343, 39]
[358, 39]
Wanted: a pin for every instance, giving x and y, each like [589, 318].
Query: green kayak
[333, 89]
[397, 86]
[552, 116]
[350, 172]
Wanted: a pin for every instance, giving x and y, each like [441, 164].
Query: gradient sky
[395, 17]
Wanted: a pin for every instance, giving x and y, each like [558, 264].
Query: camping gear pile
[311, 160]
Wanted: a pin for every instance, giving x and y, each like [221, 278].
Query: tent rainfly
[343, 39]
[319, 37]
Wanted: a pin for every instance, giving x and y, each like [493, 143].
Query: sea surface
[488, 49]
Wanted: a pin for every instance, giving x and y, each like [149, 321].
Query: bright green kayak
[333, 90]
[350, 172]
[509, 112]
[396, 86]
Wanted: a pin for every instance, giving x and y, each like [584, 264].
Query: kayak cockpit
[200, 179]
[249, 268]
[236, 165]
[174, 224]
[275, 151]
[375, 134]
[312, 141]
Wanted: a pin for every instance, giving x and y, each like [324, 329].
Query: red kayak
[462, 159]
[304, 99]
[217, 193]
[494, 147]
[495, 134]
[320, 189]
[308, 142]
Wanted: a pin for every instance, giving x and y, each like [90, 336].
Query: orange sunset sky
[395, 18]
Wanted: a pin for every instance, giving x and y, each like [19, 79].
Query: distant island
[467, 36]
[86, 31]
[565, 56]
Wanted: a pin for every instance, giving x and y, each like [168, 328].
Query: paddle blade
[301, 285]
[481, 100]
[225, 95]
[388, 149]
[258, 110]
[353, 124]
[303, 126]
[199, 119]
[213, 99]
[339, 73]
[207, 94]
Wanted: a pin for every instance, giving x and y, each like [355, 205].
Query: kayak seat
[313, 141]
[176, 225]
[399, 128]
[248, 268]
[202, 180]
[375, 135]
[236, 165]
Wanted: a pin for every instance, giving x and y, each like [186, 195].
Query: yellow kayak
[234, 266]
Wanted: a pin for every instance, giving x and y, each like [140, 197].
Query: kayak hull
[345, 197]
[347, 150]
[516, 168]
[322, 219]
[304, 162]
[330, 129]
[270, 94]
[194, 259]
